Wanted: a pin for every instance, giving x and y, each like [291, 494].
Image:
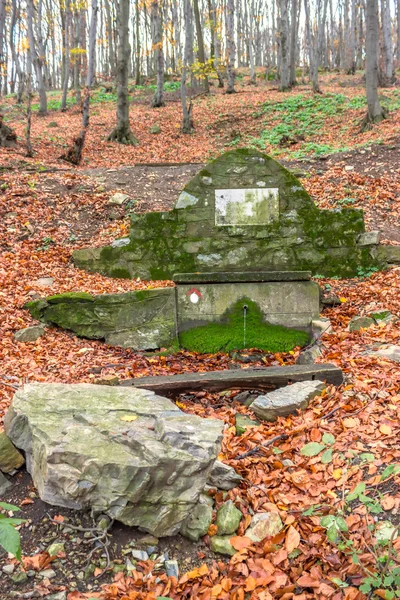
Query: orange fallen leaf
[385, 429]
[240, 542]
[292, 539]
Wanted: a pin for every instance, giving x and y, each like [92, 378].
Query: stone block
[5, 485]
[197, 523]
[291, 303]
[391, 352]
[223, 476]
[358, 323]
[10, 458]
[369, 238]
[29, 334]
[264, 525]
[307, 357]
[124, 452]
[287, 400]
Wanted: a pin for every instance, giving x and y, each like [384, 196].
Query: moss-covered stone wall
[187, 239]
[143, 320]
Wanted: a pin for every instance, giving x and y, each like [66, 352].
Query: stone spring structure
[244, 236]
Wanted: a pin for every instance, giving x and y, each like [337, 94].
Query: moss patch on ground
[232, 334]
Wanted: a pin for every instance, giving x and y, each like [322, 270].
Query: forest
[199, 401]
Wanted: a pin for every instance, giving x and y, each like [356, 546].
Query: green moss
[380, 316]
[70, 297]
[120, 273]
[229, 335]
[36, 308]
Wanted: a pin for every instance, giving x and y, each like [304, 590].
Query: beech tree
[122, 133]
[375, 112]
[158, 99]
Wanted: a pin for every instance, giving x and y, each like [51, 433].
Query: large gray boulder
[125, 452]
[285, 401]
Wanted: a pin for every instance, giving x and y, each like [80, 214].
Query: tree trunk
[109, 28]
[74, 153]
[200, 44]
[67, 55]
[158, 99]
[8, 137]
[137, 17]
[387, 46]
[122, 133]
[375, 112]
[3, 63]
[77, 58]
[187, 119]
[36, 60]
[293, 43]
[283, 45]
[14, 54]
[230, 46]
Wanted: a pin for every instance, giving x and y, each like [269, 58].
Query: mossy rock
[229, 334]
[70, 297]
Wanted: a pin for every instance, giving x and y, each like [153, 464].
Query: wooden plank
[263, 378]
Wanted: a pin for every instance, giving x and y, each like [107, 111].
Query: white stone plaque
[246, 206]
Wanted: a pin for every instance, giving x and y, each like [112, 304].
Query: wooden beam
[263, 378]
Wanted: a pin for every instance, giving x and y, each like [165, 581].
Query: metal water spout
[245, 309]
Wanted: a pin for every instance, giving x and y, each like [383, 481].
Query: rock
[124, 452]
[29, 334]
[120, 243]
[264, 525]
[8, 569]
[140, 555]
[48, 574]
[197, 523]
[349, 168]
[4, 484]
[186, 200]
[206, 499]
[308, 356]
[44, 282]
[358, 323]
[243, 423]
[369, 238]
[172, 568]
[320, 326]
[245, 398]
[118, 198]
[391, 352]
[385, 530]
[148, 540]
[285, 401]
[155, 129]
[10, 458]
[57, 596]
[222, 545]
[383, 316]
[107, 380]
[223, 476]
[228, 518]
[55, 548]
[19, 578]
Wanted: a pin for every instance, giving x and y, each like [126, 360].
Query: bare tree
[293, 44]
[283, 32]
[230, 46]
[67, 54]
[122, 133]
[3, 62]
[74, 153]
[387, 46]
[187, 119]
[36, 60]
[158, 99]
[375, 112]
[315, 42]
[14, 54]
[200, 44]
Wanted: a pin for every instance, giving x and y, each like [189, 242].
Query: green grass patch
[229, 334]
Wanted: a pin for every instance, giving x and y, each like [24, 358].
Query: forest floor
[49, 208]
